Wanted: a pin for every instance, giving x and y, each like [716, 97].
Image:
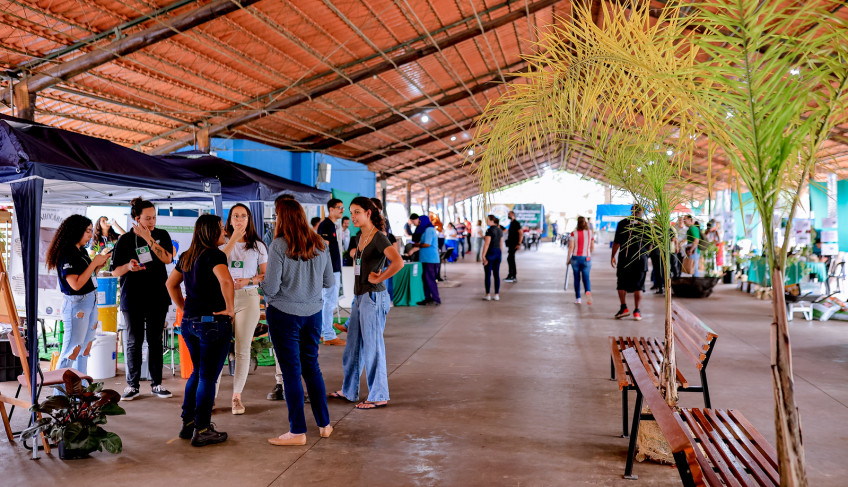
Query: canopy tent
[246, 184]
[40, 164]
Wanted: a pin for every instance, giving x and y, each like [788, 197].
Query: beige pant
[246, 306]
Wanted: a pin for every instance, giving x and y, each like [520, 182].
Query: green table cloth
[758, 272]
[408, 286]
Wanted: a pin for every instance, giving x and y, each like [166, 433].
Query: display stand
[8, 314]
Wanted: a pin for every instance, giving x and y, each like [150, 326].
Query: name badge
[237, 269]
[356, 266]
[144, 254]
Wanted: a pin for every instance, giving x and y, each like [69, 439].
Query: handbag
[688, 266]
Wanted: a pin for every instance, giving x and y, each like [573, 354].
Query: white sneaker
[487, 298]
[497, 298]
[577, 301]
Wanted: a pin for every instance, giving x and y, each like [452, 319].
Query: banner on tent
[49, 297]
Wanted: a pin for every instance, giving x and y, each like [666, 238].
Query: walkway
[515, 392]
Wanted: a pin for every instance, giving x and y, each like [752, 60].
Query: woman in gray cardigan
[298, 268]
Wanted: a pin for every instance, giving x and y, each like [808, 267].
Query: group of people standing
[221, 272]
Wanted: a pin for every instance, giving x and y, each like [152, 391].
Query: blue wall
[299, 166]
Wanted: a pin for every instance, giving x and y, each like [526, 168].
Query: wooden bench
[693, 341]
[710, 446]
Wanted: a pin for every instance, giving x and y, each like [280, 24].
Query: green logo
[237, 264]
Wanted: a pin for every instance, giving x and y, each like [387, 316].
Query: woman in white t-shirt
[246, 260]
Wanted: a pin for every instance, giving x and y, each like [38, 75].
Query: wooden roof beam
[379, 68]
[128, 45]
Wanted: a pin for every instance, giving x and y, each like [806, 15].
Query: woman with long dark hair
[580, 248]
[139, 261]
[106, 232]
[365, 346]
[246, 259]
[77, 274]
[207, 324]
[299, 267]
[492, 255]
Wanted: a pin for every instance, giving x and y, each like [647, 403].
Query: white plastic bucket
[103, 357]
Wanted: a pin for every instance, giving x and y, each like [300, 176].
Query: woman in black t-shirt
[365, 347]
[207, 325]
[77, 282]
[492, 256]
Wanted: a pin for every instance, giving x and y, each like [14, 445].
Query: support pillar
[408, 198]
[24, 102]
[383, 196]
[204, 143]
[427, 208]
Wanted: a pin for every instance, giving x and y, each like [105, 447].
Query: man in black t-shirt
[632, 265]
[327, 230]
[514, 237]
[139, 261]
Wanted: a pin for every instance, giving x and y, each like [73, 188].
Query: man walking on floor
[514, 237]
[327, 230]
[632, 266]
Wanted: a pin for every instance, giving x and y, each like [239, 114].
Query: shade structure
[244, 183]
[40, 164]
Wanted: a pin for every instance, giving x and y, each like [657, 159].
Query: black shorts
[630, 277]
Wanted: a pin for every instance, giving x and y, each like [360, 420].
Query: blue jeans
[295, 340]
[696, 256]
[331, 302]
[365, 348]
[79, 317]
[493, 268]
[208, 344]
[581, 267]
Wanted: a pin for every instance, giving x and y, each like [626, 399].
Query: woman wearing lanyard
[299, 268]
[139, 261]
[365, 346]
[207, 324]
[246, 260]
[76, 272]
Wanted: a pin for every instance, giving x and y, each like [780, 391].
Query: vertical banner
[49, 297]
[830, 234]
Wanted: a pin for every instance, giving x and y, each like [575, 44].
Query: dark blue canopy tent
[246, 184]
[40, 164]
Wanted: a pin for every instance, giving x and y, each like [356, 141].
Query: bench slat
[620, 374]
[713, 460]
[762, 444]
[748, 453]
[699, 463]
[711, 437]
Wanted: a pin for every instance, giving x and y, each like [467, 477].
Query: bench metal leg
[612, 369]
[624, 412]
[706, 389]
[634, 434]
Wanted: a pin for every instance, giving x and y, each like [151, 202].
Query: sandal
[371, 405]
[336, 395]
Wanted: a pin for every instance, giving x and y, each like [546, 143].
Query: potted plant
[73, 420]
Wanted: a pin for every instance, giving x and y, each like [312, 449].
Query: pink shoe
[588, 298]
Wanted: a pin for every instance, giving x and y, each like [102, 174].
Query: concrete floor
[515, 392]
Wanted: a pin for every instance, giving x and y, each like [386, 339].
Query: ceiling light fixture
[453, 138]
[425, 118]
[470, 152]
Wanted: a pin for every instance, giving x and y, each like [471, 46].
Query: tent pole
[27, 196]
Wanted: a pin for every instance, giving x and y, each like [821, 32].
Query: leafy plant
[614, 91]
[775, 86]
[76, 417]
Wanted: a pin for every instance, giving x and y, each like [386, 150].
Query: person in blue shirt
[428, 255]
